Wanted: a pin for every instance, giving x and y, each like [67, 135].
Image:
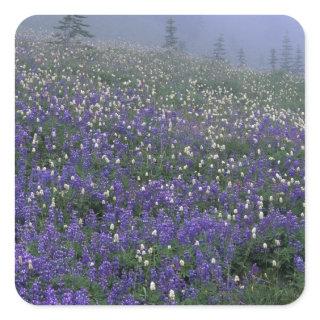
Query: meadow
[145, 176]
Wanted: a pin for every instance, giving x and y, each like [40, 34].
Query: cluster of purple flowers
[138, 184]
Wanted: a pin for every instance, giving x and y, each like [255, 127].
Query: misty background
[256, 34]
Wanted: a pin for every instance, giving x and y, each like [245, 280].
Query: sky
[256, 34]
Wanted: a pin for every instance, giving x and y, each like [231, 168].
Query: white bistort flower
[152, 286]
[116, 238]
[172, 295]
[30, 266]
[66, 186]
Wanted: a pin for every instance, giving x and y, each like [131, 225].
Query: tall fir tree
[181, 46]
[273, 60]
[286, 54]
[171, 39]
[299, 61]
[219, 51]
[71, 27]
[262, 61]
[242, 58]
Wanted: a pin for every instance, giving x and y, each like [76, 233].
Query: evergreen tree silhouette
[273, 59]
[242, 58]
[286, 55]
[71, 27]
[298, 62]
[219, 51]
[171, 39]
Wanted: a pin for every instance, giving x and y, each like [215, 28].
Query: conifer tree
[71, 27]
[286, 55]
[273, 59]
[298, 62]
[171, 39]
[242, 58]
[181, 46]
[219, 51]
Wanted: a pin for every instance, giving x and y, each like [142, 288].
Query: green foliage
[32, 248]
[272, 292]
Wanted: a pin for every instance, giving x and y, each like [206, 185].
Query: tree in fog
[71, 27]
[273, 59]
[171, 39]
[181, 46]
[242, 58]
[286, 54]
[219, 51]
[298, 66]
[262, 61]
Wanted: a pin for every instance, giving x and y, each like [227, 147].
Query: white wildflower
[116, 238]
[172, 295]
[152, 286]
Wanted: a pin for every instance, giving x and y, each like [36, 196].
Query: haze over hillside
[255, 34]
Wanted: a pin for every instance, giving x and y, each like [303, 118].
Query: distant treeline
[72, 28]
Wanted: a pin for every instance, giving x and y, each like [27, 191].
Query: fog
[255, 34]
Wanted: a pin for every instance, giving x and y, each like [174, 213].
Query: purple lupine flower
[299, 263]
